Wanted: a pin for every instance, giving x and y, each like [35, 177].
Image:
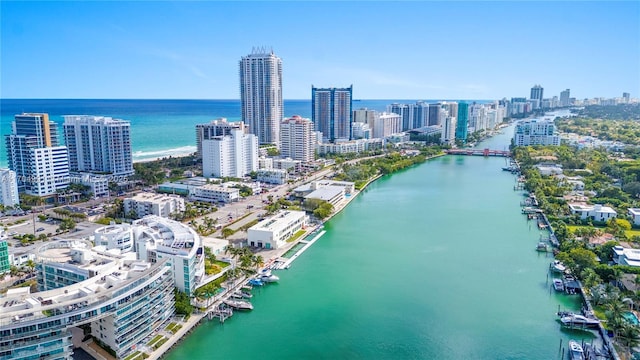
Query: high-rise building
[365, 115]
[537, 93]
[448, 130]
[434, 114]
[8, 188]
[626, 97]
[218, 127]
[234, 155]
[41, 165]
[535, 132]
[98, 144]
[297, 139]
[420, 115]
[462, 122]
[331, 112]
[361, 130]
[406, 114]
[565, 97]
[386, 124]
[261, 94]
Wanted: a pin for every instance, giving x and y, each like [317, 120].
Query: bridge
[479, 152]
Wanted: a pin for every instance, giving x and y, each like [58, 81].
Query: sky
[386, 50]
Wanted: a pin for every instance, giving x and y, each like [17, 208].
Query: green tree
[182, 303]
[578, 259]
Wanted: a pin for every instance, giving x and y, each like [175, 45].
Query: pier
[479, 152]
[287, 263]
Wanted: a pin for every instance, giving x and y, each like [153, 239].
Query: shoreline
[195, 319]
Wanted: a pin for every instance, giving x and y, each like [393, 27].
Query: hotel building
[41, 165]
[98, 144]
[234, 155]
[215, 128]
[261, 94]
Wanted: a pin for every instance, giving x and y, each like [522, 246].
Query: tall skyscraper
[261, 94]
[331, 112]
[434, 114]
[41, 166]
[218, 127]
[406, 114]
[8, 188]
[98, 144]
[462, 122]
[233, 155]
[297, 139]
[564, 97]
[626, 97]
[537, 93]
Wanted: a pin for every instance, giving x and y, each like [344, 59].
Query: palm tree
[629, 336]
[614, 312]
[257, 261]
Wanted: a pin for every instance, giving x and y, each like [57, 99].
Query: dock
[287, 263]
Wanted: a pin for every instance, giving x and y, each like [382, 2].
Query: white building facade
[8, 188]
[33, 152]
[234, 155]
[536, 132]
[273, 232]
[98, 144]
[273, 176]
[214, 193]
[144, 204]
[297, 139]
[386, 124]
[595, 212]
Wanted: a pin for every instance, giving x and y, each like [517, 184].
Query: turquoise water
[158, 127]
[433, 262]
[631, 318]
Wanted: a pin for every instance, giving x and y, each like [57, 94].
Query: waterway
[434, 262]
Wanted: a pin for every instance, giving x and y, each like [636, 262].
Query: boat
[575, 351]
[267, 276]
[557, 266]
[239, 304]
[580, 321]
[558, 285]
[256, 282]
[542, 247]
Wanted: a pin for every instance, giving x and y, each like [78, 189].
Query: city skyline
[168, 50]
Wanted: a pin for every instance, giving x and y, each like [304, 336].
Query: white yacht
[575, 351]
[558, 285]
[267, 276]
[580, 321]
[557, 266]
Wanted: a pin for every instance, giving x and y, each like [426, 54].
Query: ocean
[158, 127]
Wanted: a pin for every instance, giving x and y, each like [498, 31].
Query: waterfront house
[635, 215]
[549, 169]
[626, 256]
[595, 212]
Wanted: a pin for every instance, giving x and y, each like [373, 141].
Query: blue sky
[387, 50]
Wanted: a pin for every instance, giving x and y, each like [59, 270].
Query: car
[39, 229]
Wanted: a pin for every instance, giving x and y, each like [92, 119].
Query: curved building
[124, 301]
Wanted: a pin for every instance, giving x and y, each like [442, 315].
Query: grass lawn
[222, 264]
[155, 340]
[296, 235]
[631, 233]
